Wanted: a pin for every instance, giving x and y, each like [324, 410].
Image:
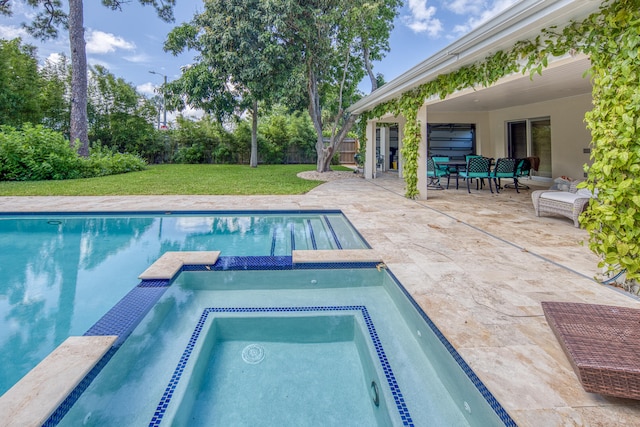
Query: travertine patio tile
[478, 265]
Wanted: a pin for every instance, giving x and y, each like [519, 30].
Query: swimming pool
[381, 359]
[312, 345]
[61, 272]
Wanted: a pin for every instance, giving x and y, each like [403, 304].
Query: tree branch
[5, 8]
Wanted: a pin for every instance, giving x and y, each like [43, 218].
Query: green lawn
[177, 179]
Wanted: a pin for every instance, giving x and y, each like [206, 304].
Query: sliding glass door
[531, 138]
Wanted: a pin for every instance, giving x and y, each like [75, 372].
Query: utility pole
[164, 100]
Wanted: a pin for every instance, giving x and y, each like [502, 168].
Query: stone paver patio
[478, 264]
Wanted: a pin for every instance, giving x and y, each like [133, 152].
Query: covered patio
[519, 116]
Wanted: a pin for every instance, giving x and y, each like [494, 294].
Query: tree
[55, 100]
[254, 51]
[240, 62]
[48, 19]
[119, 117]
[20, 84]
[334, 43]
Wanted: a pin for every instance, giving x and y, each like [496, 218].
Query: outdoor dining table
[457, 164]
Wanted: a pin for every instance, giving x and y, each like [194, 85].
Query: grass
[177, 180]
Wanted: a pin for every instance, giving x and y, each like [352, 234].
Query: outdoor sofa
[565, 203]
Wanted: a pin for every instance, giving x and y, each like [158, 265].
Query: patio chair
[434, 173]
[478, 168]
[359, 161]
[441, 159]
[523, 168]
[505, 168]
[569, 204]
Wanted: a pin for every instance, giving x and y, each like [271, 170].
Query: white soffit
[565, 79]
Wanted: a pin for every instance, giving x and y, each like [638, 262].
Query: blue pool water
[286, 347]
[60, 273]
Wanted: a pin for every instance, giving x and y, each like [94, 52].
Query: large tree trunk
[254, 136]
[316, 118]
[326, 152]
[78, 132]
[369, 67]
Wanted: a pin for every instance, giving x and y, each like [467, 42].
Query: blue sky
[129, 43]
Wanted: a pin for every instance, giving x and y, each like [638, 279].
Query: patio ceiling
[556, 82]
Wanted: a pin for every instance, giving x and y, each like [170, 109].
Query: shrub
[102, 161]
[202, 141]
[36, 153]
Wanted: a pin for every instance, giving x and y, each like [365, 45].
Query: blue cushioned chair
[434, 173]
[478, 168]
[505, 168]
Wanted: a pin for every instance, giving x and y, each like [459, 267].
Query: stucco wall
[569, 133]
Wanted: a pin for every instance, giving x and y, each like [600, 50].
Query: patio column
[422, 153]
[384, 147]
[370, 152]
[401, 122]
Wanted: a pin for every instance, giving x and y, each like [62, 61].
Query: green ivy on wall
[611, 39]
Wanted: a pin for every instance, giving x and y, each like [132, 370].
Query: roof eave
[520, 22]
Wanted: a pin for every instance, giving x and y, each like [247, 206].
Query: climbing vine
[611, 39]
[613, 220]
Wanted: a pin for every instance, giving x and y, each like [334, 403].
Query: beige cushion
[562, 196]
[585, 192]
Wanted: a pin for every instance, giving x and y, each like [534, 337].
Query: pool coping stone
[170, 263]
[330, 256]
[39, 393]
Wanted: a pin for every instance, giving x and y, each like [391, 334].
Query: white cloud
[465, 7]
[53, 58]
[421, 19]
[481, 15]
[147, 89]
[140, 58]
[101, 42]
[9, 32]
[188, 112]
[94, 61]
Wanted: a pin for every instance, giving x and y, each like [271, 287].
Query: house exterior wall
[569, 133]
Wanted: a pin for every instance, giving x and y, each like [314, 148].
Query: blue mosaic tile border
[156, 283]
[273, 242]
[244, 263]
[193, 212]
[175, 378]
[57, 415]
[271, 263]
[489, 397]
[333, 233]
[121, 320]
[123, 317]
[312, 234]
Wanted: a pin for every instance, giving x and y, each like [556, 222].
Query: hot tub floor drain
[253, 354]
